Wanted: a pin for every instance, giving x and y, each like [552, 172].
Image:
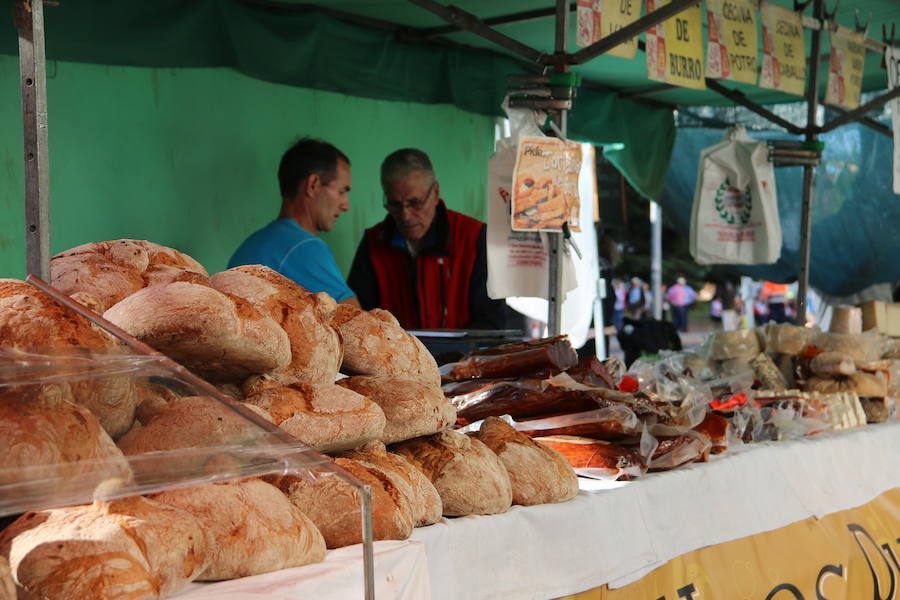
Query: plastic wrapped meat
[591, 371]
[598, 459]
[534, 397]
[514, 360]
[614, 422]
[674, 451]
[716, 428]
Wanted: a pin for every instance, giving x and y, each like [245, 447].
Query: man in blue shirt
[314, 178]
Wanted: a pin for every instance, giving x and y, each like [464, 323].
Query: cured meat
[514, 360]
[715, 427]
[591, 371]
[674, 451]
[535, 397]
[598, 458]
[614, 422]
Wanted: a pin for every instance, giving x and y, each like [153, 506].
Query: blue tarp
[855, 215]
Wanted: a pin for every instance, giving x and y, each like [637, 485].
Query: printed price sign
[545, 185]
[848, 60]
[675, 48]
[731, 51]
[784, 51]
[892, 62]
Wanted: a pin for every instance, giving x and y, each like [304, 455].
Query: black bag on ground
[647, 336]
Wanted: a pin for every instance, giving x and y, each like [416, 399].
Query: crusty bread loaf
[221, 337]
[412, 408]
[333, 504]
[324, 416]
[470, 478]
[128, 548]
[254, 529]
[316, 347]
[422, 495]
[189, 422]
[41, 428]
[538, 473]
[31, 320]
[375, 344]
[112, 271]
[257, 383]
[7, 585]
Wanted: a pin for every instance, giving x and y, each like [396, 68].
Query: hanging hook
[800, 5]
[860, 27]
[829, 16]
[888, 41]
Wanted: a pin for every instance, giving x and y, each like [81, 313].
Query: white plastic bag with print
[735, 217]
[518, 261]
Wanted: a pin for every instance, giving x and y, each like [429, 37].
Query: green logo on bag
[734, 205]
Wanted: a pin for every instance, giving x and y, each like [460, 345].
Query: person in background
[680, 297]
[715, 310]
[727, 294]
[775, 295]
[648, 299]
[425, 263]
[314, 180]
[620, 292]
[634, 299]
[760, 309]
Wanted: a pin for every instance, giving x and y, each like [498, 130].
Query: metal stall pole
[554, 288]
[809, 171]
[32, 66]
[656, 258]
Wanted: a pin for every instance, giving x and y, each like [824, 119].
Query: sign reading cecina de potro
[675, 48]
[731, 52]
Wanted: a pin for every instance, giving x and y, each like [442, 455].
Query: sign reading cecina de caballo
[675, 48]
[848, 555]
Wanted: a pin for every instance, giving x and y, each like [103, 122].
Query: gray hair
[402, 163]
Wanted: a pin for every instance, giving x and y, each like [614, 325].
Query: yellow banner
[784, 50]
[675, 48]
[613, 16]
[848, 61]
[848, 555]
[731, 49]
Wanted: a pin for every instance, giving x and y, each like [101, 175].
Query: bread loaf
[324, 416]
[112, 271]
[221, 337]
[375, 344]
[412, 408]
[423, 498]
[538, 474]
[128, 548]
[254, 529]
[333, 504]
[32, 321]
[832, 363]
[7, 585]
[316, 347]
[43, 430]
[470, 478]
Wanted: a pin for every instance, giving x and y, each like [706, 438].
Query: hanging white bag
[735, 216]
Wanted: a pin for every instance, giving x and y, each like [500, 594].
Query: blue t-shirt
[284, 246]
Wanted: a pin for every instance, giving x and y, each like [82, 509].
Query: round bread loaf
[470, 478]
[376, 344]
[7, 585]
[128, 548]
[222, 337]
[254, 529]
[324, 416]
[316, 347]
[538, 474]
[412, 408]
[32, 321]
[112, 271]
[333, 504]
[420, 492]
[43, 430]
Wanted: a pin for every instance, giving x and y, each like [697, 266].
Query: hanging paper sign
[731, 51]
[585, 23]
[545, 189]
[784, 50]
[848, 60]
[892, 61]
[675, 48]
[613, 15]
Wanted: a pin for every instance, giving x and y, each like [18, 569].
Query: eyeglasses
[413, 204]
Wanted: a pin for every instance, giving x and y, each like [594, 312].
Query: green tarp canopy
[324, 45]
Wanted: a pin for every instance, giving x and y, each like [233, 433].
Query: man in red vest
[425, 263]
